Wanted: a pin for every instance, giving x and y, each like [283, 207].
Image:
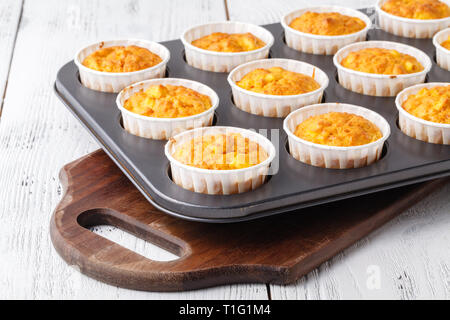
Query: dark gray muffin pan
[296, 185]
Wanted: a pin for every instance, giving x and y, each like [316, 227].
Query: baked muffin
[226, 42]
[424, 112]
[275, 87]
[336, 135]
[220, 152]
[327, 23]
[277, 81]
[431, 104]
[446, 43]
[219, 160]
[167, 101]
[324, 29]
[417, 9]
[121, 59]
[162, 108]
[338, 129]
[380, 68]
[381, 61]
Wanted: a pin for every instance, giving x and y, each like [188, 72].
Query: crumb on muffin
[381, 61]
[417, 9]
[431, 104]
[220, 152]
[225, 42]
[167, 101]
[121, 59]
[446, 43]
[277, 81]
[339, 129]
[327, 23]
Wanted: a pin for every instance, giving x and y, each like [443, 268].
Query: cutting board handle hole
[142, 242]
[133, 243]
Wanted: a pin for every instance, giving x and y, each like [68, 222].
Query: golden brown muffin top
[381, 61]
[431, 104]
[220, 152]
[277, 81]
[226, 42]
[121, 59]
[327, 23]
[417, 9]
[338, 129]
[167, 101]
[446, 43]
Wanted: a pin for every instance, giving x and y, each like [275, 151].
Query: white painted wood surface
[38, 136]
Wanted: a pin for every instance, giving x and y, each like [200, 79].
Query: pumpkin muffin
[226, 42]
[446, 43]
[220, 152]
[327, 23]
[121, 59]
[381, 61]
[431, 104]
[167, 101]
[338, 129]
[277, 81]
[417, 9]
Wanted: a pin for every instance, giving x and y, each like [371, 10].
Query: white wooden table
[409, 258]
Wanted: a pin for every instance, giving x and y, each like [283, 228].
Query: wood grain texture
[38, 136]
[10, 11]
[278, 249]
[412, 252]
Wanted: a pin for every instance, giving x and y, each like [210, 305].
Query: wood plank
[10, 11]
[38, 136]
[412, 252]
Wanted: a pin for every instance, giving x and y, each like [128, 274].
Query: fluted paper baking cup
[116, 81]
[223, 61]
[410, 28]
[442, 54]
[219, 181]
[164, 128]
[274, 105]
[418, 128]
[380, 85]
[320, 44]
[330, 156]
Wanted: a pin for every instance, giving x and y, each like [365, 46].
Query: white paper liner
[223, 61]
[330, 156]
[442, 54]
[378, 84]
[319, 44]
[116, 81]
[272, 105]
[165, 128]
[410, 28]
[219, 181]
[418, 128]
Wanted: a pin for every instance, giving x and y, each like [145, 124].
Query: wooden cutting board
[278, 249]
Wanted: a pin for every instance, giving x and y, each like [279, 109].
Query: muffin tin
[404, 160]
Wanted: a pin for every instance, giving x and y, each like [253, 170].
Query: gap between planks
[227, 12]
[11, 57]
